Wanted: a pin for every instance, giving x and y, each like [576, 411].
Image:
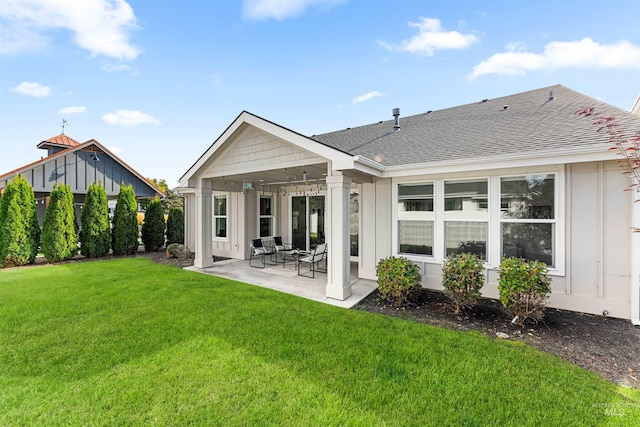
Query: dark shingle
[531, 123]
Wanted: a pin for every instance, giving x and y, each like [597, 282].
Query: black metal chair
[313, 260]
[259, 250]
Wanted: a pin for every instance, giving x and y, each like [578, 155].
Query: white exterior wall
[375, 231]
[594, 274]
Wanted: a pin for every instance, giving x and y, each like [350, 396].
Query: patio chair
[281, 248]
[313, 260]
[259, 250]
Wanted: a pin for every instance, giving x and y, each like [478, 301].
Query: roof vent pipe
[396, 122]
[551, 97]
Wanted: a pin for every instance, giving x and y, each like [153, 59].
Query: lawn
[130, 342]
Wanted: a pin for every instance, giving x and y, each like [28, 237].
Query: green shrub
[175, 226]
[95, 238]
[524, 288]
[398, 280]
[59, 228]
[153, 227]
[124, 234]
[462, 278]
[19, 229]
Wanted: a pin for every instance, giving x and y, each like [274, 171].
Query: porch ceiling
[274, 179]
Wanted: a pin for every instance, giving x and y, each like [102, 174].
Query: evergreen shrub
[462, 279]
[95, 237]
[175, 226]
[524, 288]
[59, 228]
[124, 234]
[19, 228]
[153, 227]
[398, 280]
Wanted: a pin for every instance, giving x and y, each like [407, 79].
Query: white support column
[204, 231]
[339, 264]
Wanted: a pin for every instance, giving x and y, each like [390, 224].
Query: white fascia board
[556, 157]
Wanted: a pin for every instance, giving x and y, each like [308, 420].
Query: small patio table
[293, 255]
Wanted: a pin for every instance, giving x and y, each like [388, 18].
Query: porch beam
[339, 265]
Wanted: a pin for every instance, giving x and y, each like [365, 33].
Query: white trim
[635, 258]
[214, 216]
[548, 160]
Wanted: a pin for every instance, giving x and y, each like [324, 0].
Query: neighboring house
[522, 175]
[79, 165]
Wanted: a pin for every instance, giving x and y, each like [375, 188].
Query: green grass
[129, 342]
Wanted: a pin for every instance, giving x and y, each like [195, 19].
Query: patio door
[307, 221]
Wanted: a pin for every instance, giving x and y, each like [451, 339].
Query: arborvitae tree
[175, 227]
[153, 227]
[124, 235]
[59, 228]
[19, 229]
[95, 237]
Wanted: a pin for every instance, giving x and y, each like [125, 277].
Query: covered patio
[286, 279]
[262, 181]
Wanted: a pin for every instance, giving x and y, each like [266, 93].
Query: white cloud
[281, 9]
[100, 26]
[72, 110]
[130, 118]
[585, 53]
[32, 89]
[431, 38]
[111, 67]
[367, 96]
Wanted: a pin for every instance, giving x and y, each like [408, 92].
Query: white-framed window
[220, 215]
[266, 216]
[415, 218]
[528, 218]
[492, 216]
[466, 217]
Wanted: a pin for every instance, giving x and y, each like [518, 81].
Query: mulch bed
[607, 346]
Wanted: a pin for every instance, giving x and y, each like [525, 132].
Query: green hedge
[59, 228]
[19, 229]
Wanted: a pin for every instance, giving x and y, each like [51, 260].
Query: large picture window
[415, 219]
[527, 205]
[466, 217]
[266, 216]
[220, 216]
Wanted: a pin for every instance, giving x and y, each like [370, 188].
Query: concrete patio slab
[285, 279]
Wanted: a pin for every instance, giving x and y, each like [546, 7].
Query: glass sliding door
[354, 225]
[299, 222]
[316, 221]
[307, 221]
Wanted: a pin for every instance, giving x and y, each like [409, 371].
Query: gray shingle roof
[531, 123]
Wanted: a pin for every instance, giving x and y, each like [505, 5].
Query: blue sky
[157, 81]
